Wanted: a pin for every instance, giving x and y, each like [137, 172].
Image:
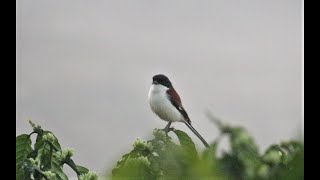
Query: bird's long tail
[197, 134]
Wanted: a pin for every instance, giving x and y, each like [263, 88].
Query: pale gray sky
[84, 69]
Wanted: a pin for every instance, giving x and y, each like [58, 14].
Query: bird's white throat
[157, 89]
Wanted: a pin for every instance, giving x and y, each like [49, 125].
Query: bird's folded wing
[176, 102]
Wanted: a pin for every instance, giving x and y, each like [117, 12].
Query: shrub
[46, 158]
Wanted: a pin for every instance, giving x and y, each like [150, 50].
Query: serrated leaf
[23, 147]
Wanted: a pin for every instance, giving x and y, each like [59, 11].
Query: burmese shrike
[166, 103]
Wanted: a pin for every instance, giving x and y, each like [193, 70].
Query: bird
[165, 102]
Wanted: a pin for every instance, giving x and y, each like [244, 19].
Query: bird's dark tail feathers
[197, 134]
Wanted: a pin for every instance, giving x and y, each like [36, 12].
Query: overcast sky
[84, 69]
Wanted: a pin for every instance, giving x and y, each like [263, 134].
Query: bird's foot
[168, 129]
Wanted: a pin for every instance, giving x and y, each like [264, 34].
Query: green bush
[46, 159]
[161, 158]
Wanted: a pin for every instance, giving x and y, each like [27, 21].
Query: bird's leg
[167, 128]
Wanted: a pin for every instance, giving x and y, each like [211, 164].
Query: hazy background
[84, 69]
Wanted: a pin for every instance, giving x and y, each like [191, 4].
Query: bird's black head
[161, 79]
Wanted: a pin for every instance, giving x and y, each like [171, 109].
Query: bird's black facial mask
[161, 79]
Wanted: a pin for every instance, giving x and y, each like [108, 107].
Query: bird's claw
[167, 130]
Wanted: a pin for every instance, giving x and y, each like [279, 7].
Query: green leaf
[45, 156]
[244, 159]
[40, 142]
[121, 163]
[23, 148]
[45, 151]
[82, 169]
[57, 168]
[56, 161]
[210, 154]
[60, 175]
[135, 168]
[186, 143]
[295, 167]
[21, 174]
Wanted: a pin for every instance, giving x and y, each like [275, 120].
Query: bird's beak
[155, 82]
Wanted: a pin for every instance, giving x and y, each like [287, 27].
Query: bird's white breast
[161, 105]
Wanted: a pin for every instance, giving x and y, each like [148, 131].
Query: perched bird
[166, 103]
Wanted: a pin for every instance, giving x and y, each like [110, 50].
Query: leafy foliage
[46, 158]
[23, 148]
[161, 158]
